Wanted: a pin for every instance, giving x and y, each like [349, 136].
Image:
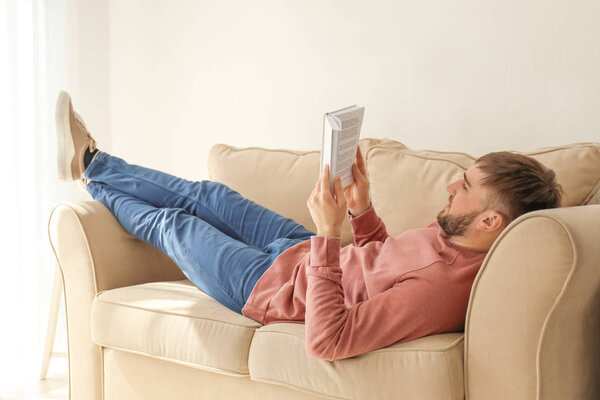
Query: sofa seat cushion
[173, 321]
[427, 368]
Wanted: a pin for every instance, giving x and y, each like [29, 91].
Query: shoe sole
[65, 148]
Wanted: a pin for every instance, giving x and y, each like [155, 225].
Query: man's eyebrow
[466, 180]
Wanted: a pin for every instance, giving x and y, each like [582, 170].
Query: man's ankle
[89, 156]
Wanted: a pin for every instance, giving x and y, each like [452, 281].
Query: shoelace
[83, 128]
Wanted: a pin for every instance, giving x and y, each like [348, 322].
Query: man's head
[497, 189]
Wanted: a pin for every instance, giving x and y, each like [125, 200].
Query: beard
[455, 225]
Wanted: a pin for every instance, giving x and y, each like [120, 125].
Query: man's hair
[518, 184]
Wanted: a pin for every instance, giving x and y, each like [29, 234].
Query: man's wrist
[330, 233]
[359, 210]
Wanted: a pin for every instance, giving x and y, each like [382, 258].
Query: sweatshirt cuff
[368, 221]
[324, 251]
[351, 217]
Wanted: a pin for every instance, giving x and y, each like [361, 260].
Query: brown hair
[518, 184]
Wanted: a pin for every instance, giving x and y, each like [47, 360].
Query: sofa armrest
[534, 312]
[94, 253]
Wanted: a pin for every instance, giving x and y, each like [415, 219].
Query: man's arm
[367, 227]
[408, 310]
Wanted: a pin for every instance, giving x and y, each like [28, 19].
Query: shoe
[73, 140]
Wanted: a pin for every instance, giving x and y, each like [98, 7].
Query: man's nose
[451, 188]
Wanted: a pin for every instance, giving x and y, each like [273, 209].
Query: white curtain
[31, 50]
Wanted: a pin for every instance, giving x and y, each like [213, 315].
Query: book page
[347, 145]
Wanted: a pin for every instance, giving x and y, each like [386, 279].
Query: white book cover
[341, 132]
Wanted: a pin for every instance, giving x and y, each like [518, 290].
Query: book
[341, 131]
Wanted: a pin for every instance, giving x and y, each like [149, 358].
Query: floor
[55, 386]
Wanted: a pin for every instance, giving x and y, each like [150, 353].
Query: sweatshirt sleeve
[406, 311]
[367, 227]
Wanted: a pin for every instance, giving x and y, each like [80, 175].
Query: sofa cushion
[408, 188]
[595, 199]
[425, 368]
[577, 168]
[392, 169]
[280, 180]
[173, 321]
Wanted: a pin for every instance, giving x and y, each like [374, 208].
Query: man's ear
[490, 221]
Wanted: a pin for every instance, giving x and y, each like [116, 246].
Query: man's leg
[214, 202]
[221, 266]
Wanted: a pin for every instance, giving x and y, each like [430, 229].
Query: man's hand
[327, 213]
[357, 194]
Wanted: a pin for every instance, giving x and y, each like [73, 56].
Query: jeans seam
[185, 196]
[186, 254]
[213, 280]
[233, 228]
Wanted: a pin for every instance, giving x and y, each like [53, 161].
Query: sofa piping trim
[298, 388]
[173, 313]
[544, 150]
[70, 208]
[382, 350]
[554, 306]
[410, 153]
[241, 362]
[180, 362]
[230, 148]
[586, 145]
[449, 375]
[550, 311]
[313, 392]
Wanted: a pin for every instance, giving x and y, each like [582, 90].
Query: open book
[341, 131]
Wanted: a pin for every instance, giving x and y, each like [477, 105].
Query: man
[379, 291]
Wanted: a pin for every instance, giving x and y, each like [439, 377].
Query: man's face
[464, 203]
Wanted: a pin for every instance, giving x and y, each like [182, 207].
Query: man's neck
[470, 243]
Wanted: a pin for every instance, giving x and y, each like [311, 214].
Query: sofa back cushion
[279, 179]
[595, 199]
[577, 168]
[408, 187]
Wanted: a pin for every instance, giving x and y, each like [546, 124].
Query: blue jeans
[221, 241]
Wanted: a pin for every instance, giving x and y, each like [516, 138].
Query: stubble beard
[455, 225]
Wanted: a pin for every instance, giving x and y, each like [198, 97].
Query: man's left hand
[327, 213]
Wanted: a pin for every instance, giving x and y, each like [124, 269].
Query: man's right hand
[357, 194]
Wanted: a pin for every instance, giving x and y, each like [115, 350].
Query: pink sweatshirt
[379, 291]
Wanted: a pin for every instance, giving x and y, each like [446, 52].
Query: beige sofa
[137, 329]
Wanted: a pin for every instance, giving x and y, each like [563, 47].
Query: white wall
[78, 62]
[466, 75]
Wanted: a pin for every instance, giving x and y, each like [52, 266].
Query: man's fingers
[339, 192]
[358, 175]
[360, 162]
[317, 187]
[337, 184]
[312, 194]
[325, 179]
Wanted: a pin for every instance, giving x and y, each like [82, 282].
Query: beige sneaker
[73, 140]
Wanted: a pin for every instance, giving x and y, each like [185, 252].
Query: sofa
[138, 329]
